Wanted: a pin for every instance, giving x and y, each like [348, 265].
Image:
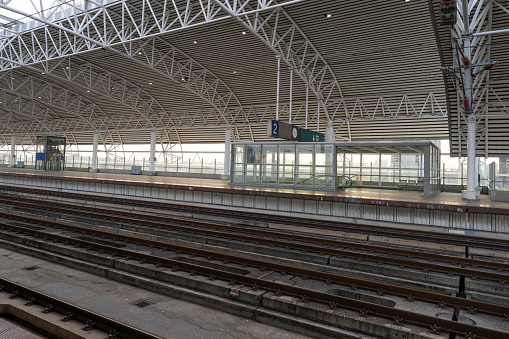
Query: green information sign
[310, 136]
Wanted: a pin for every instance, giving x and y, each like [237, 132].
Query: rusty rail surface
[91, 319]
[453, 239]
[278, 288]
[181, 225]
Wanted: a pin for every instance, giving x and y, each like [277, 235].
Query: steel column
[94, 152]
[12, 157]
[427, 171]
[152, 166]
[470, 193]
[329, 132]
[227, 147]
[277, 89]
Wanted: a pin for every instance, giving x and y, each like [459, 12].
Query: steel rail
[116, 328]
[136, 218]
[380, 288]
[451, 270]
[456, 239]
[334, 301]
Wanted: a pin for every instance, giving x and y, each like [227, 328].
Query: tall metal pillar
[307, 105]
[94, 152]
[329, 132]
[12, 157]
[227, 146]
[277, 89]
[470, 193]
[152, 166]
[291, 94]
[427, 172]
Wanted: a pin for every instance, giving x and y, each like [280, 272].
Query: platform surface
[363, 195]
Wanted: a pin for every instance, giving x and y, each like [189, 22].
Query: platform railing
[200, 166]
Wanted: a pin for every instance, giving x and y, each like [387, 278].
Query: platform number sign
[273, 128]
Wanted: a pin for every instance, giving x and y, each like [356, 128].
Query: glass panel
[238, 176]
[287, 155]
[269, 154]
[323, 155]
[370, 160]
[305, 176]
[323, 176]
[305, 154]
[253, 173]
[286, 175]
[269, 174]
[239, 154]
[253, 154]
[390, 170]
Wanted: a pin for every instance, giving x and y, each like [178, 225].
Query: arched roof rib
[74, 29]
[283, 36]
[211, 97]
[68, 103]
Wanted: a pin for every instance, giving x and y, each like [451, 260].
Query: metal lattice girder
[283, 36]
[185, 71]
[68, 28]
[393, 109]
[68, 103]
[92, 78]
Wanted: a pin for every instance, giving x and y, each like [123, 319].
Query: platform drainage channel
[213, 265]
[100, 241]
[363, 297]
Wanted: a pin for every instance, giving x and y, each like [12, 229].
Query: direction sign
[310, 136]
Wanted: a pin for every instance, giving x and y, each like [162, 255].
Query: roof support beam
[72, 28]
[281, 34]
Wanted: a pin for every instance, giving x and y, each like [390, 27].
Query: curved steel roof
[190, 68]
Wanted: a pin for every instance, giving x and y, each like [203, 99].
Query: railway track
[453, 265]
[304, 294]
[91, 319]
[417, 235]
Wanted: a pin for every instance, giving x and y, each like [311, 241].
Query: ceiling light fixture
[244, 33]
[139, 52]
[150, 83]
[328, 15]
[88, 91]
[195, 42]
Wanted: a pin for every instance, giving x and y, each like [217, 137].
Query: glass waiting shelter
[406, 165]
[50, 153]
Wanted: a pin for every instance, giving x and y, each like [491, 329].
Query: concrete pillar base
[225, 177]
[152, 173]
[471, 195]
[11, 166]
[91, 170]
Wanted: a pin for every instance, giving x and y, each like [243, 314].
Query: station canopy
[190, 69]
